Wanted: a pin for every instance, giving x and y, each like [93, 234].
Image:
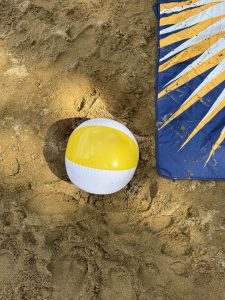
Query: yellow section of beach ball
[102, 147]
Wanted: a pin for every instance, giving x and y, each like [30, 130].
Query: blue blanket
[191, 89]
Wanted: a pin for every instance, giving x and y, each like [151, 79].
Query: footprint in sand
[68, 277]
[118, 286]
[7, 268]
[148, 274]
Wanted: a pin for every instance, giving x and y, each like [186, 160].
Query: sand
[62, 62]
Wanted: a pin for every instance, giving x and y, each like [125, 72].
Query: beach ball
[101, 156]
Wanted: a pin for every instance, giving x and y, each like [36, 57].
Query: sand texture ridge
[63, 62]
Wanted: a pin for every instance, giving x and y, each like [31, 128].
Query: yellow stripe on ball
[102, 147]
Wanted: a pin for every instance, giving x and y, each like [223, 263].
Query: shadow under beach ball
[55, 145]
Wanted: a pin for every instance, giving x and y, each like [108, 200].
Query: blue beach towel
[191, 89]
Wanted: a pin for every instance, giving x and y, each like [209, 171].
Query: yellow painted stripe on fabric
[176, 4]
[102, 148]
[191, 52]
[188, 32]
[216, 145]
[205, 90]
[201, 68]
[205, 121]
[184, 15]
